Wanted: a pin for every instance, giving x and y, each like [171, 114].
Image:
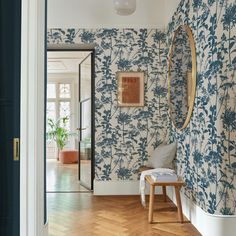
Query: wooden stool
[176, 184]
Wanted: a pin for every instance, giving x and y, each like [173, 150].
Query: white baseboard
[45, 230]
[118, 188]
[206, 224]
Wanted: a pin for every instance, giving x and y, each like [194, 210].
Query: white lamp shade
[124, 7]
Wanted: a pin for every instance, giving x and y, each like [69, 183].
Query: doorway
[86, 122]
[10, 100]
[69, 121]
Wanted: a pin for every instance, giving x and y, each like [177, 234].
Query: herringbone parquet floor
[82, 214]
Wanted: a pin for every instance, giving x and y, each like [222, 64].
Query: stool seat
[68, 156]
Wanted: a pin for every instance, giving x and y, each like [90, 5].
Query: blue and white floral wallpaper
[206, 155]
[124, 136]
[180, 68]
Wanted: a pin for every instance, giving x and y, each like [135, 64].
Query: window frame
[58, 99]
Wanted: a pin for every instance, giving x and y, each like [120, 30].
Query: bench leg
[164, 193]
[179, 205]
[151, 202]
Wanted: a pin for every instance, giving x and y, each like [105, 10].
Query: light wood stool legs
[176, 184]
[179, 205]
[151, 203]
[164, 193]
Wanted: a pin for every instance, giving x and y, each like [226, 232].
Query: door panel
[85, 123]
[85, 143]
[10, 19]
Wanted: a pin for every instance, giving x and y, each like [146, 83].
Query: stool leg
[179, 205]
[164, 193]
[151, 202]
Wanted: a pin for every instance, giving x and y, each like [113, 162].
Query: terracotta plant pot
[68, 156]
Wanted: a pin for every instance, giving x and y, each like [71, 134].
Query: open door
[10, 28]
[86, 120]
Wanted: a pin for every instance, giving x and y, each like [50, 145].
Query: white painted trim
[116, 187]
[77, 46]
[119, 188]
[32, 119]
[62, 77]
[206, 224]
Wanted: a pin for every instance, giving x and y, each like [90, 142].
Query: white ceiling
[101, 14]
[64, 62]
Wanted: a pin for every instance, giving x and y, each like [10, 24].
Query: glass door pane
[51, 149]
[85, 143]
[85, 160]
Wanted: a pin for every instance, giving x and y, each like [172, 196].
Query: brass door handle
[16, 149]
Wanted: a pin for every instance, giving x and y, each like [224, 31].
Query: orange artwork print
[130, 90]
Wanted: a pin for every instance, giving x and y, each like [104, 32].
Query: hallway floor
[82, 214]
[62, 177]
[79, 213]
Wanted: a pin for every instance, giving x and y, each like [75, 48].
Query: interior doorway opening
[69, 121]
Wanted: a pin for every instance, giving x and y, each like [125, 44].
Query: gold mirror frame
[194, 75]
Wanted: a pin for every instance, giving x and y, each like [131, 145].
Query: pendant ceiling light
[124, 7]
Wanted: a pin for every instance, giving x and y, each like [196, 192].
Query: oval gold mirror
[182, 76]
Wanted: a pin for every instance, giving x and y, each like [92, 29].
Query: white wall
[101, 14]
[170, 8]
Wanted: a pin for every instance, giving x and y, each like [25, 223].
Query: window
[59, 104]
[59, 101]
[64, 90]
[51, 90]
[51, 111]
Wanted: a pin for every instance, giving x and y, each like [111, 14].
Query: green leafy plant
[58, 132]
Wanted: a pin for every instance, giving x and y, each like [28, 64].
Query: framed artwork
[130, 89]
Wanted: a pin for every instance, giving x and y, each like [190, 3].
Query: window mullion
[57, 101]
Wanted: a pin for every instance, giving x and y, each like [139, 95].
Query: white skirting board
[45, 230]
[206, 224]
[118, 188]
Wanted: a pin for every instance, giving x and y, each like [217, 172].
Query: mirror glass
[182, 76]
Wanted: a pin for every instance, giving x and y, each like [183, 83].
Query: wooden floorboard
[62, 177]
[75, 214]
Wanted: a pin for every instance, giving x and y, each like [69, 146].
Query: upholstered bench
[68, 156]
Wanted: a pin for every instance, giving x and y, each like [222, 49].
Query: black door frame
[92, 105]
[92, 117]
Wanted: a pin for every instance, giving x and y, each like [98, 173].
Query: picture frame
[130, 89]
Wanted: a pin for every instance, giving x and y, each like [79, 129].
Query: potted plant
[58, 132]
